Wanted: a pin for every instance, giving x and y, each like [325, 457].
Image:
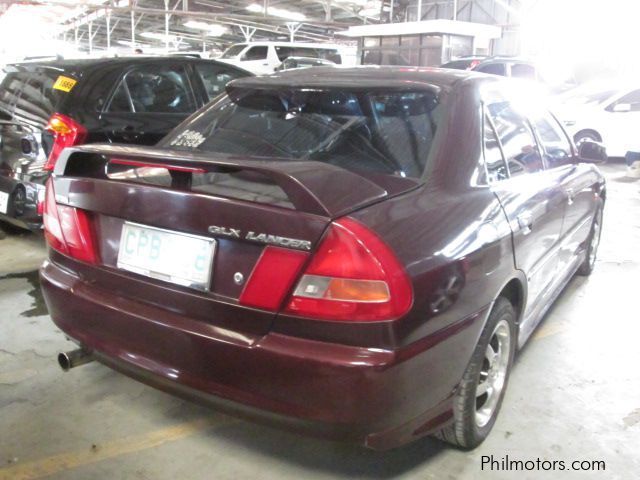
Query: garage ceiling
[215, 24]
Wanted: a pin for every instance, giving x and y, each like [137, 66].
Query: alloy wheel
[493, 373]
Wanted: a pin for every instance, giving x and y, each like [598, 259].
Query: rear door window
[255, 53]
[214, 77]
[516, 137]
[153, 89]
[233, 51]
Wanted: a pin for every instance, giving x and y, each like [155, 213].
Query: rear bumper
[27, 216]
[362, 395]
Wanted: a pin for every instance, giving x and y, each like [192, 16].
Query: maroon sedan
[356, 253]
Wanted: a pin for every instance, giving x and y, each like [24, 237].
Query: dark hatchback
[47, 106]
[356, 253]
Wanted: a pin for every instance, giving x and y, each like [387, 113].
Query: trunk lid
[243, 204]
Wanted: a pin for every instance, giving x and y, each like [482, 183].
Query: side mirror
[592, 152]
[622, 107]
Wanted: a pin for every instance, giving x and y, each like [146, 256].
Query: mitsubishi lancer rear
[317, 251]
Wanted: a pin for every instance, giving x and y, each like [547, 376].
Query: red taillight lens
[354, 276]
[66, 133]
[51, 220]
[272, 277]
[67, 229]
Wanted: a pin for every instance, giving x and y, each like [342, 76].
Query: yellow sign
[64, 83]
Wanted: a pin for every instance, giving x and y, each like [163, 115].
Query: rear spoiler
[313, 187]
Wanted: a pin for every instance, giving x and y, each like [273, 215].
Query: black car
[47, 106]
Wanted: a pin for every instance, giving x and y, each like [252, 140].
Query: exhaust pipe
[74, 358]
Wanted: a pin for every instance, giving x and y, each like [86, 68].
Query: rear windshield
[387, 132]
[29, 96]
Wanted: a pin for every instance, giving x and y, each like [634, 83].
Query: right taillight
[66, 132]
[353, 276]
[67, 229]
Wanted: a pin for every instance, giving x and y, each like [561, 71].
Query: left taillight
[353, 276]
[68, 230]
[66, 132]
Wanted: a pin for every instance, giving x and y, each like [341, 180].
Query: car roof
[90, 63]
[364, 77]
[259, 43]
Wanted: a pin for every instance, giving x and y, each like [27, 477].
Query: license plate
[4, 202]
[174, 257]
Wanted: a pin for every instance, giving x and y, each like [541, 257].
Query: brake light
[66, 133]
[175, 168]
[354, 276]
[272, 277]
[68, 230]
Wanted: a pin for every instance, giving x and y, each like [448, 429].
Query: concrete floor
[574, 394]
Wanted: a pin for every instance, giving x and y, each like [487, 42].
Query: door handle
[525, 222]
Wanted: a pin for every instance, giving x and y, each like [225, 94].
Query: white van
[265, 57]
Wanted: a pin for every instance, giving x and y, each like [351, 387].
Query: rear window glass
[29, 96]
[386, 132]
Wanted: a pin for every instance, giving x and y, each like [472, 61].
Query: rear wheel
[593, 242]
[482, 389]
[18, 201]
[585, 136]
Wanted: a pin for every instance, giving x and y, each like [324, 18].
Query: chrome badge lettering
[280, 241]
[261, 237]
[227, 232]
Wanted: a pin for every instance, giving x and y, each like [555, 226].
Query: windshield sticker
[65, 84]
[188, 138]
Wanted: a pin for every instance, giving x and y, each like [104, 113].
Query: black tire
[17, 201]
[593, 241]
[585, 136]
[465, 432]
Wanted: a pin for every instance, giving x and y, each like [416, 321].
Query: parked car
[603, 113]
[264, 57]
[503, 66]
[303, 62]
[466, 62]
[47, 106]
[324, 250]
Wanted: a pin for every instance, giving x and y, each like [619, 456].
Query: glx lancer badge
[261, 237]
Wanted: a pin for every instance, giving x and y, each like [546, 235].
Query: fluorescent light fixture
[210, 29]
[277, 12]
[159, 36]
